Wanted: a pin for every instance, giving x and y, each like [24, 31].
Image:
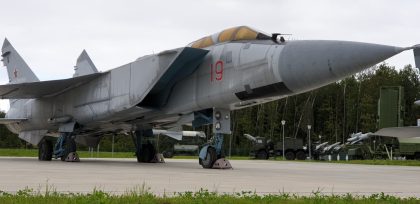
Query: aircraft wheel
[262, 154]
[417, 156]
[146, 153]
[300, 155]
[45, 150]
[211, 157]
[289, 155]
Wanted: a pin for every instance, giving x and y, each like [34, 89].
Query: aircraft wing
[43, 89]
[11, 120]
[399, 132]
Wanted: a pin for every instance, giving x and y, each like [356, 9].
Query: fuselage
[111, 101]
[233, 75]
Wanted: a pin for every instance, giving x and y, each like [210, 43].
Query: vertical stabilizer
[84, 65]
[417, 55]
[17, 69]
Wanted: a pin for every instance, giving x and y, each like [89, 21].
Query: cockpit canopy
[230, 34]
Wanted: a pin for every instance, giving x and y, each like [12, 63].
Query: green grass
[82, 154]
[86, 154]
[19, 152]
[382, 162]
[142, 195]
[196, 157]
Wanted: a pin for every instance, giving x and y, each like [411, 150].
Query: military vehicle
[263, 148]
[391, 110]
[181, 149]
[369, 146]
[409, 148]
[406, 140]
[391, 147]
[379, 146]
[189, 145]
[195, 85]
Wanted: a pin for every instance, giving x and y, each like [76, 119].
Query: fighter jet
[198, 85]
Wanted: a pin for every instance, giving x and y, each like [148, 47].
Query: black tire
[289, 155]
[300, 155]
[168, 154]
[146, 154]
[45, 150]
[261, 154]
[410, 157]
[417, 156]
[211, 157]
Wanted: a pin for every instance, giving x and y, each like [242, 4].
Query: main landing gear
[65, 148]
[145, 148]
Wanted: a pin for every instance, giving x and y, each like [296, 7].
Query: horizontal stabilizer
[399, 132]
[43, 89]
[11, 120]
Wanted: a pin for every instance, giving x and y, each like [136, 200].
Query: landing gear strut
[65, 148]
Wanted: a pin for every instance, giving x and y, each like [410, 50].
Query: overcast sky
[50, 34]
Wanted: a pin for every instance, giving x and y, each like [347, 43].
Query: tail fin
[84, 65]
[17, 68]
[417, 55]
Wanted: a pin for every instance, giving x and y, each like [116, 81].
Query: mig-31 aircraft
[197, 85]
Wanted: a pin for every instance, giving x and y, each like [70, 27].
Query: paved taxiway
[120, 175]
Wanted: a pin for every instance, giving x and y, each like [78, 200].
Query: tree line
[333, 111]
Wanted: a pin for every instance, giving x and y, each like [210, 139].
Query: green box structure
[391, 106]
[391, 112]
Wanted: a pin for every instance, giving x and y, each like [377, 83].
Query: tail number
[216, 71]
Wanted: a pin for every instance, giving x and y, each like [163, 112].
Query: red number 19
[216, 71]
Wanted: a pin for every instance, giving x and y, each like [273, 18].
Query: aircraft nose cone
[309, 64]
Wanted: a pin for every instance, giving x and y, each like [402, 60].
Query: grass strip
[86, 154]
[203, 196]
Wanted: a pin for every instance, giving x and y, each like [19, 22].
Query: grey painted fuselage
[231, 75]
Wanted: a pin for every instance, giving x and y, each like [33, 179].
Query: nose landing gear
[211, 153]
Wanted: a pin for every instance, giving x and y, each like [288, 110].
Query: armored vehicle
[263, 148]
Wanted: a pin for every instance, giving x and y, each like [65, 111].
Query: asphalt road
[263, 177]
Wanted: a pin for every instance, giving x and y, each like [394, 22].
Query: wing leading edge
[43, 89]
